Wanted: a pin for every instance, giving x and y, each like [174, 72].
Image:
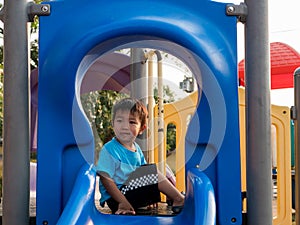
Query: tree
[168, 94]
[168, 97]
[171, 137]
[97, 106]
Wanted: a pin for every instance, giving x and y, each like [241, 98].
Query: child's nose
[126, 125]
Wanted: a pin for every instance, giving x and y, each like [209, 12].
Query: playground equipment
[280, 118]
[204, 37]
[179, 112]
[212, 140]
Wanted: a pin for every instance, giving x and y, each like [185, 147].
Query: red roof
[284, 61]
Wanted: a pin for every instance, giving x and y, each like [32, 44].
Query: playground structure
[281, 150]
[212, 159]
[70, 150]
[178, 113]
[281, 154]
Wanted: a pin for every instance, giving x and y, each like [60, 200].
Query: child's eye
[132, 122]
[119, 120]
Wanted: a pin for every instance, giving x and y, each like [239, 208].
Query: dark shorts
[140, 189]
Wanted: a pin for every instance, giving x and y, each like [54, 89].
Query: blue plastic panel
[199, 208]
[78, 31]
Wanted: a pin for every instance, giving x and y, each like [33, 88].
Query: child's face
[127, 126]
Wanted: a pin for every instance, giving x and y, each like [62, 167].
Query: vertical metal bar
[16, 114]
[151, 104]
[161, 124]
[160, 116]
[139, 87]
[138, 74]
[258, 121]
[296, 139]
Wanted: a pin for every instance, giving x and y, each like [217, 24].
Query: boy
[126, 181]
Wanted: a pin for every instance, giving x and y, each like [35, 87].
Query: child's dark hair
[135, 107]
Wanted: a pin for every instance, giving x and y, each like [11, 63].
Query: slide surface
[199, 209]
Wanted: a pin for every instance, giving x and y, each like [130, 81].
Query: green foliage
[34, 54]
[34, 28]
[104, 105]
[171, 137]
[168, 94]
[98, 108]
[168, 97]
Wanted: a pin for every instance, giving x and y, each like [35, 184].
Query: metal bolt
[45, 8]
[230, 9]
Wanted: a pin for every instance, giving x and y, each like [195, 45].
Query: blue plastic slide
[72, 38]
[199, 206]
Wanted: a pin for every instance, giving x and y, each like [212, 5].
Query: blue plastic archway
[72, 38]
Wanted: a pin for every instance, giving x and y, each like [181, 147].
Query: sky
[284, 27]
[284, 23]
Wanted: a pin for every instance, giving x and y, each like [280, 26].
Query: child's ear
[142, 129]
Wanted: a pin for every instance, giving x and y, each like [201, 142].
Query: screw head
[230, 9]
[45, 8]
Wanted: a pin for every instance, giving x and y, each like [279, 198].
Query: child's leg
[166, 187]
[141, 187]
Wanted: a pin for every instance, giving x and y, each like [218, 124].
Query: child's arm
[112, 189]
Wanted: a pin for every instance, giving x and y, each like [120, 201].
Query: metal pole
[151, 104]
[139, 87]
[258, 121]
[296, 139]
[16, 114]
[160, 116]
[161, 124]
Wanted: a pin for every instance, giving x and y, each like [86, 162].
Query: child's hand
[125, 208]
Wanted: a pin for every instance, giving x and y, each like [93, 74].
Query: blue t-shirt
[118, 162]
